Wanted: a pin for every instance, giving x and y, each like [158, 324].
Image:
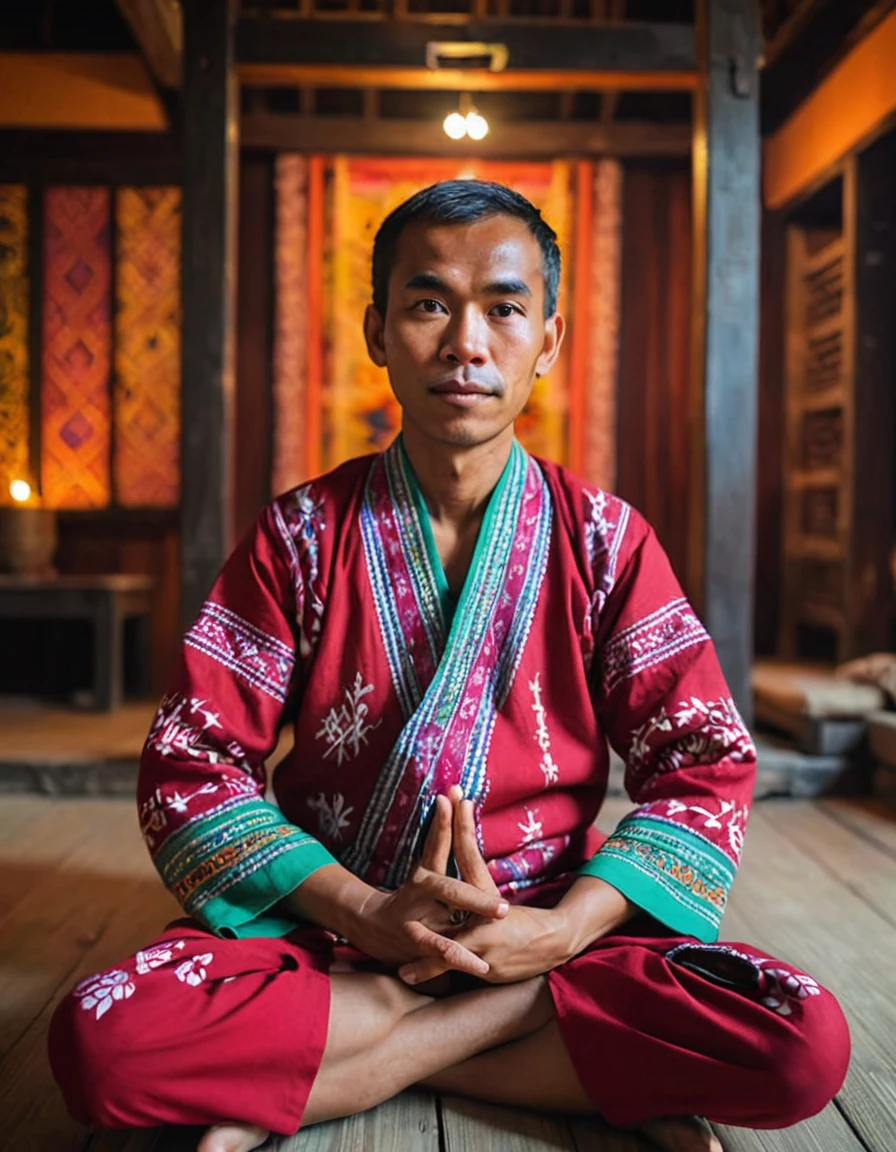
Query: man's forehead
[489, 245]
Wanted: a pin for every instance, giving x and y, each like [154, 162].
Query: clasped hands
[435, 923]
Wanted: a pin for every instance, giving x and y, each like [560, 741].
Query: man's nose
[466, 338]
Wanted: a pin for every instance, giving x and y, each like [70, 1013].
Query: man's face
[464, 332]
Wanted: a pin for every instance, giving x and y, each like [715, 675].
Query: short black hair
[463, 202]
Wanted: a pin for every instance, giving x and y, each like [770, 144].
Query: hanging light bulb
[476, 125]
[20, 490]
[455, 126]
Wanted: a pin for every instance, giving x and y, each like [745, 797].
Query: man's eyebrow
[508, 288]
[427, 280]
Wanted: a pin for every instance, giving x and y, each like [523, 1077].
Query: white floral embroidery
[333, 817]
[172, 734]
[784, 986]
[729, 817]
[101, 992]
[155, 957]
[532, 829]
[721, 733]
[347, 729]
[194, 970]
[542, 736]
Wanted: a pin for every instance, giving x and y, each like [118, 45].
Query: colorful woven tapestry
[599, 431]
[290, 322]
[14, 386]
[147, 347]
[77, 337]
[360, 413]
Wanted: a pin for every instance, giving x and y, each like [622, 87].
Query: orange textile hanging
[15, 408]
[147, 347]
[77, 341]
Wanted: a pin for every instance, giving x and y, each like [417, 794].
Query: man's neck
[457, 482]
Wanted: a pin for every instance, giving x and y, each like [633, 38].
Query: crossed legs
[501, 1044]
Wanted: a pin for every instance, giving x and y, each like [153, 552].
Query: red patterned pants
[194, 1029]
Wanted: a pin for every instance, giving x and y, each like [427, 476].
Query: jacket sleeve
[690, 763]
[227, 855]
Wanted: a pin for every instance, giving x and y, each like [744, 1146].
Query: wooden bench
[105, 601]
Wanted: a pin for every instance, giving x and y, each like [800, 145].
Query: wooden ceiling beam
[157, 26]
[460, 79]
[637, 49]
[532, 139]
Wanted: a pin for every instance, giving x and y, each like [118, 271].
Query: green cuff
[243, 910]
[228, 868]
[677, 877]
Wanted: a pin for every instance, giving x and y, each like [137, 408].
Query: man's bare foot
[682, 1134]
[232, 1138]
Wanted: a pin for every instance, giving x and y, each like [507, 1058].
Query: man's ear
[554, 331]
[374, 335]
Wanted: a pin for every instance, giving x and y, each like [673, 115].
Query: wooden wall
[254, 327]
[653, 432]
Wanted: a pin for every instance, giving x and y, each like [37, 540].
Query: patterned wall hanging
[147, 347]
[77, 338]
[360, 413]
[599, 429]
[14, 382]
[289, 462]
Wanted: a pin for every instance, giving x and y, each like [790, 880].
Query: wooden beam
[211, 138]
[796, 67]
[454, 79]
[728, 359]
[89, 157]
[849, 107]
[105, 91]
[550, 47]
[157, 26]
[328, 134]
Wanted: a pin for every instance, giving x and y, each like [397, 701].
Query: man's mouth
[461, 388]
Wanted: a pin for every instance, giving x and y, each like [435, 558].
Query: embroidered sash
[451, 682]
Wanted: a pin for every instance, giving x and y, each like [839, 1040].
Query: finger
[475, 939]
[437, 848]
[446, 953]
[466, 849]
[458, 894]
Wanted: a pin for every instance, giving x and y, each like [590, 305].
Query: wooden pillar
[872, 563]
[726, 320]
[211, 144]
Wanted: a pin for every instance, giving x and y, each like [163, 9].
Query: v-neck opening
[450, 603]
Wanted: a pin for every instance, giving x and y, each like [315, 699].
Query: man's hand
[527, 941]
[396, 927]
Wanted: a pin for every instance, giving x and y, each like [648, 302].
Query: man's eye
[505, 310]
[429, 305]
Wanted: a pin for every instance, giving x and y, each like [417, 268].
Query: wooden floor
[77, 893]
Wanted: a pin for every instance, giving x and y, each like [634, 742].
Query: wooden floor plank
[410, 1121]
[789, 905]
[77, 920]
[874, 820]
[827, 1132]
[843, 851]
[593, 1136]
[471, 1126]
[64, 909]
[38, 836]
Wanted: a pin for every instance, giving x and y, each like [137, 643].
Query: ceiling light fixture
[467, 121]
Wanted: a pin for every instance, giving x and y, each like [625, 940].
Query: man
[453, 628]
